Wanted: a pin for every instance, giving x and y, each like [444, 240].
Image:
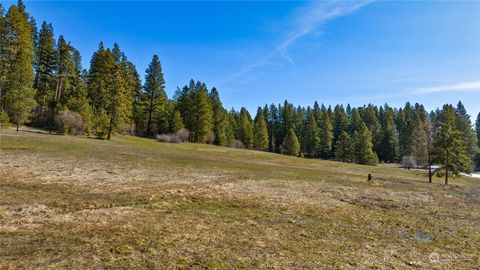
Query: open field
[76, 202]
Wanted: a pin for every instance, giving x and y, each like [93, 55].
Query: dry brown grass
[75, 202]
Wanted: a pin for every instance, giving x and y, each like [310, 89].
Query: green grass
[77, 202]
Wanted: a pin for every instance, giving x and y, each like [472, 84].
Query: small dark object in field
[369, 177]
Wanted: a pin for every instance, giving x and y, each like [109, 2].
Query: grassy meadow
[78, 202]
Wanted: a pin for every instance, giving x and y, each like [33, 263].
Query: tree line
[43, 84]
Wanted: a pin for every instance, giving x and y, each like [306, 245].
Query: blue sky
[265, 52]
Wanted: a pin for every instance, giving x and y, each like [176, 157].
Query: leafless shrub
[41, 116]
[211, 138]
[238, 144]
[183, 134]
[408, 162]
[177, 137]
[68, 122]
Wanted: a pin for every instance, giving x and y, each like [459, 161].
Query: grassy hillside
[77, 202]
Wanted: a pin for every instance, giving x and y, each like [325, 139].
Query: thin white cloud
[312, 17]
[473, 86]
[306, 20]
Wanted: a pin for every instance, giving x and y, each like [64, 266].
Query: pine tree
[290, 145]
[219, 120]
[449, 147]
[4, 55]
[363, 147]
[138, 103]
[348, 110]
[202, 114]
[65, 70]
[119, 101]
[477, 128]
[340, 122]
[156, 98]
[343, 147]
[312, 132]
[325, 135]
[110, 89]
[356, 122]
[420, 147]
[245, 128]
[230, 129]
[388, 149]
[44, 82]
[287, 119]
[273, 128]
[260, 131]
[184, 102]
[78, 100]
[464, 125]
[370, 118]
[98, 79]
[17, 91]
[177, 121]
[407, 125]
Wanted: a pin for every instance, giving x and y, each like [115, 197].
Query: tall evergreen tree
[325, 135]
[260, 132]
[406, 126]
[464, 125]
[17, 92]
[138, 101]
[477, 128]
[230, 128]
[110, 90]
[184, 100]
[194, 105]
[450, 148]
[287, 119]
[363, 147]
[156, 98]
[343, 148]
[245, 128]
[4, 55]
[312, 139]
[420, 136]
[177, 121]
[273, 121]
[120, 96]
[45, 67]
[219, 120]
[388, 149]
[370, 117]
[356, 122]
[340, 122]
[290, 145]
[65, 70]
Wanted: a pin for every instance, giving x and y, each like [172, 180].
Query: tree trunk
[429, 172]
[149, 122]
[17, 127]
[447, 165]
[429, 152]
[110, 128]
[446, 177]
[429, 165]
[58, 89]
